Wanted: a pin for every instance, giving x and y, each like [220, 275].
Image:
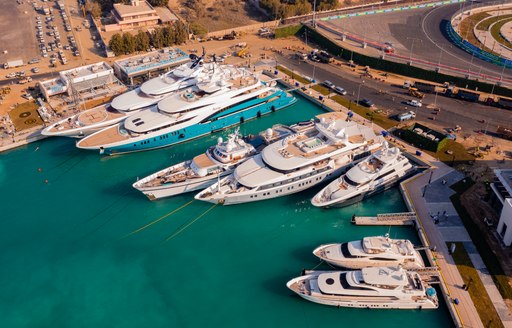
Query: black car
[366, 102]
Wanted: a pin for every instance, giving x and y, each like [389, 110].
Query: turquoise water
[70, 256]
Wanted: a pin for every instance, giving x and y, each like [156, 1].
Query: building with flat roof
[501, 200]
[138, 13]
[85, 82]
[505, 223]
[143, 67]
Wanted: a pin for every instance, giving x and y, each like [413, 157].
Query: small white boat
[377, 173]
[373, 288]
[371, 252]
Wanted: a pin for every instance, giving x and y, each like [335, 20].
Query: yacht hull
[173, 189]
[248, 110]
[300, 286]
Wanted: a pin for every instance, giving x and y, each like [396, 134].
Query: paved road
[453, 111]
[417, 33]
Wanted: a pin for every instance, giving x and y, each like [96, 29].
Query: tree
[93, 8]
[158, 3]
[169, 36]
[157, 38]
[129, 43]
[117, 44]
[141, 41]
[181, 32]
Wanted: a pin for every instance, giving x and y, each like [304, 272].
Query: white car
[413, 103]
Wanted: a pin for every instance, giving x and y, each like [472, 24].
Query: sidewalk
[451, 229]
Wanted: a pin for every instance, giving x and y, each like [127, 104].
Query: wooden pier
[405, 218]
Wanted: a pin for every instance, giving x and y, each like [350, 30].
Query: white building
[505, 223]
[501, 200]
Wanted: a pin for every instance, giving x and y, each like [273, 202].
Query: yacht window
[386, 174]
[139, 123]
[350, 182]
[345, 251]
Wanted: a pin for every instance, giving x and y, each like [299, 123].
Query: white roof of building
[130, 10]
[152, 61]
[505, 177]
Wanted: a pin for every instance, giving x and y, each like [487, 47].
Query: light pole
[501, 78]
[314, 12]
[412, 48]
[358, 91]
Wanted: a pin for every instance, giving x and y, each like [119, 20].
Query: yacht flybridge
[375, 174]
[224, 97]
[371, 252]
[129, 103]
[375, 287]
[298, 162]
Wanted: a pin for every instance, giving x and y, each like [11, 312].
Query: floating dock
[405, 218]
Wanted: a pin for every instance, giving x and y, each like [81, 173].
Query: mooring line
[158, 220]
[180, 230]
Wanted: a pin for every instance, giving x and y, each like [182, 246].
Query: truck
[408, 84]
[468, 95]
[504, 133]
[425, 87]
[505, 103]
[13, 63]
[324, 57]
[415, 93]
[406, 116]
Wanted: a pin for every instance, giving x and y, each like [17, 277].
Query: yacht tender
[224, 97]
[375, 287]
[298, 162]
[128, 103]
[371, 252]
[375, 174]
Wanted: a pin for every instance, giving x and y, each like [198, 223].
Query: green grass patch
[489, 257]
[367, 113]
[476, 289]
[286, 31]
[294, 76]
[453, 153]
[495, 32]
[486, 23]
[323, 90]
[466, 30]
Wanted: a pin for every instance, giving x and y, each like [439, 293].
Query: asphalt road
[392, 98]
[417, 33]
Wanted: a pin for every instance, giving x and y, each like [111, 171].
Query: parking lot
[17, 40]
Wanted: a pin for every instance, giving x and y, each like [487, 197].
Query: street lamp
[412, 48]
[358, 91]
[501, 78]
[314, 11]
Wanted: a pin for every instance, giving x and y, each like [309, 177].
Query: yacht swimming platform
[429, 275]
[405, 218]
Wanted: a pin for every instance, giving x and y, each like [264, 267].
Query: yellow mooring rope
[180, 230]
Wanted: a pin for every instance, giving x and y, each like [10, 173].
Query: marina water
[81, 248]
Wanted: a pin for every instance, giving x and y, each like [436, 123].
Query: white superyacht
[129, 103]
[375, 174]
[375, 288]
[298, 162]
[371, 252]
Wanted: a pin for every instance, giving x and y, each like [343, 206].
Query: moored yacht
[129, 103]
[371, 252]
[198, 173]
[298, 162]
[374, 287]
[375, 174]
[226, 97]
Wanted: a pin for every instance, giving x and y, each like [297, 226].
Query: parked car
[366, 102]
[413, 103]
[328, 84]
[340, 90]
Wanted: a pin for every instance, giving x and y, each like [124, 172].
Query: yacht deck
[89, 117]
[203, 161]
[107, 136]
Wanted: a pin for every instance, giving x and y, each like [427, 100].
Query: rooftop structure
[148, 64]
[84, 80]
[136, 14]
[505, 223]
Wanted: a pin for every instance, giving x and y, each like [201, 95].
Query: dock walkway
[406, 218]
